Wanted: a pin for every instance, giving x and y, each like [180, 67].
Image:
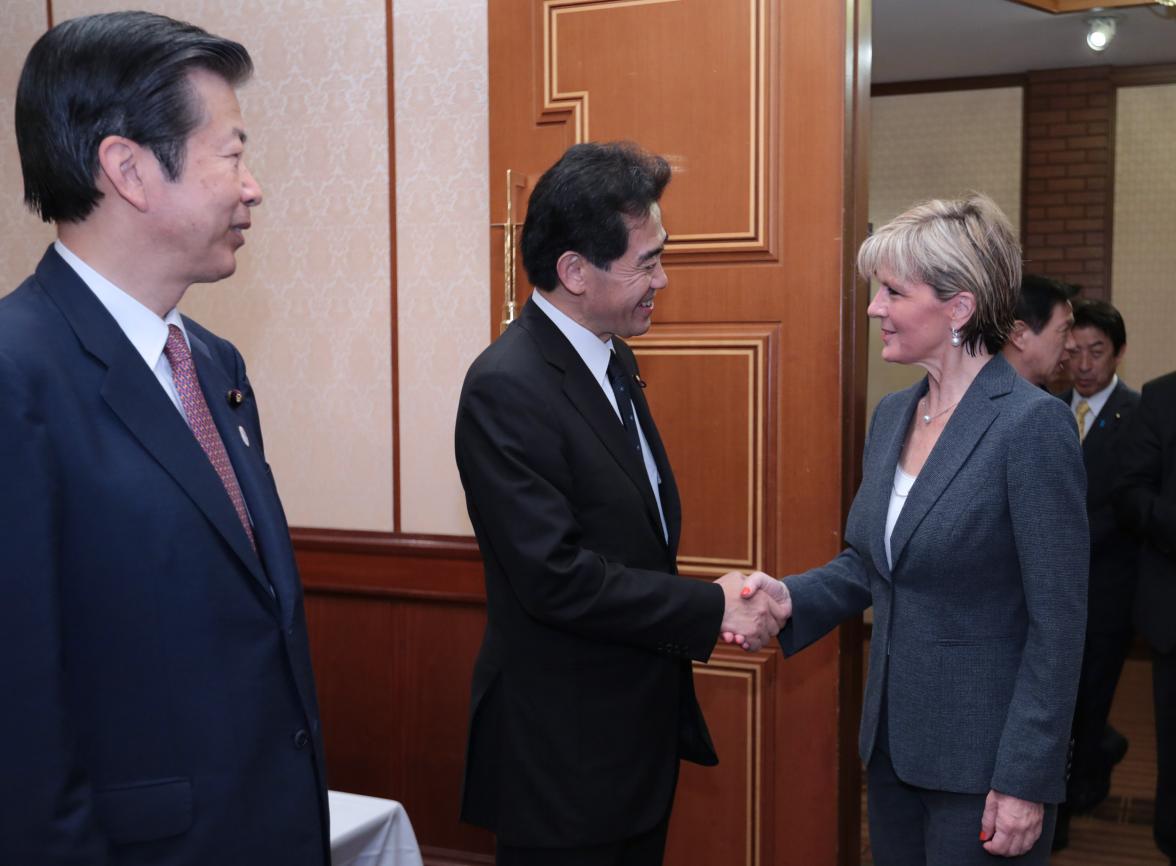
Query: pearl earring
[955, 337]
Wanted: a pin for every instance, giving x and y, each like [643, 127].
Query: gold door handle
[509, 228]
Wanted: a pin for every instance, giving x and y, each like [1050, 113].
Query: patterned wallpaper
[1143, 267]
[442, 241]
[939, 145]
[309, 306]
[23, 237]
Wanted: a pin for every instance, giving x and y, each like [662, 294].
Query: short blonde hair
[965, 245]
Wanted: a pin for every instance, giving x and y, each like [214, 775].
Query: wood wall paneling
[395, 625]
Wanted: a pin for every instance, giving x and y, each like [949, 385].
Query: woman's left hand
[1010, 826]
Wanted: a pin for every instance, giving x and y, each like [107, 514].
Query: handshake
[755, 608]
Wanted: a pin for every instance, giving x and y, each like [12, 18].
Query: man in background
[1038, 339]
[159, 705]
[1145, 501]
[1101, 404]
[583, 694]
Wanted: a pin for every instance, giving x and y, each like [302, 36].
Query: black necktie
[619, 379]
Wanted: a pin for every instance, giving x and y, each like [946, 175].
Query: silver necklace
[927, 419]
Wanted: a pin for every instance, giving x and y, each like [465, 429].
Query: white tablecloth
[369, 831]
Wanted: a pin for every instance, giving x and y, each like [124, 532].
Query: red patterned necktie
[200, 420]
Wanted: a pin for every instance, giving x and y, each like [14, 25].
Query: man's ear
[572, 269]
[1019, 334]
[121, 164]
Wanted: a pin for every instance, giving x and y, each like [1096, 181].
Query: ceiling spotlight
[1102, 31]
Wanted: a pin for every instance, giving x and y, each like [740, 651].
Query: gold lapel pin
[235, 398]
[639, 380]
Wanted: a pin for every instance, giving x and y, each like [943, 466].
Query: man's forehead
[1090, 334]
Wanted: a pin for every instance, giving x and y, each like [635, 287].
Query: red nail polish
[745, 592]
[983, 836]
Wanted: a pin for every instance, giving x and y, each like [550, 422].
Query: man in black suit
[158, 703]
[1044, 317]
[1145, 502]
[583, 696]
[1101, 404]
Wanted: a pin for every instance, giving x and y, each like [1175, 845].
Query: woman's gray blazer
[978, 627]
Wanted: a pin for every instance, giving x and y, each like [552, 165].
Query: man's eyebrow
[655, 252]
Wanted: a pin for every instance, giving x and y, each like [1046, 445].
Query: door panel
[750, 364]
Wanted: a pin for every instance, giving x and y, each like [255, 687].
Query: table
[369, 831]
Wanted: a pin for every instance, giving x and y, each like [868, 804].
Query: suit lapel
[671, 504]
[265, 512]
[964, 429]
[586, 395]
[134, 395]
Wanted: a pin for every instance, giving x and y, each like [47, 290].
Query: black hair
[1037, 298]
[1097, 313]
[118, 73]
[581, 203]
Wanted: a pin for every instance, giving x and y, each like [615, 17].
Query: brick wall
[1069, 169]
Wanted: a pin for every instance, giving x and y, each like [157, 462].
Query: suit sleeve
[1138, 504]
[1047, 508]
[519, 485]
[46, 805]
[823, 598]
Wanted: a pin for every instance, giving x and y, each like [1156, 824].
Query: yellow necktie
[1082, 410]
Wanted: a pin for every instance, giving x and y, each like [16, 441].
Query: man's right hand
[752, 619]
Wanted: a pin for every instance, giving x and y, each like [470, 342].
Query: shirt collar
[591, 349]
[146, 331]
[1096, 401]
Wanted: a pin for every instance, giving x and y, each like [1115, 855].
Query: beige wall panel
[442, 230]
[1144, 257]
[939, 145]
[23, 237]
[309, 306]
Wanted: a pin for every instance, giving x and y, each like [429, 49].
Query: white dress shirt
[595, 354]
[146, 331]
[1095, 401]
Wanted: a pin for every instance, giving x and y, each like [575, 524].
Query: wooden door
[752, 362]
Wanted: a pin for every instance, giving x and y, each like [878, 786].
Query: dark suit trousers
[1102, 664]
[644, 849]
[1164, 687]
[911, 826]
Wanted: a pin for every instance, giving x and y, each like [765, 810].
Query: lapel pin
[235, 398]
[639, 380]
[244, 435]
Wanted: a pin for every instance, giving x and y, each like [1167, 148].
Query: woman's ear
[963, 306]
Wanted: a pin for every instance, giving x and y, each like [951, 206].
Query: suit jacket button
[301, 738]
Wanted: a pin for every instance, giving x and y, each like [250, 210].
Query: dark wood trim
[1109, 211]
[1070, 73]
[351, 541]
[940, 85]
[1141, 76]
[1024, 206]
[393, 306]
[854, 370]
[49, 13]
